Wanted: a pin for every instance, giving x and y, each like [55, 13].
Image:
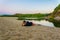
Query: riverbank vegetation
[36, 16]
[54, 14]
[32, 16]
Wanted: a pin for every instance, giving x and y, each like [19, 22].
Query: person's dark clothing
[28, 24]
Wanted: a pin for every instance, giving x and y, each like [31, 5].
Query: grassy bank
[38, 16]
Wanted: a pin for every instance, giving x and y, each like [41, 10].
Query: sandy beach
[12, 29]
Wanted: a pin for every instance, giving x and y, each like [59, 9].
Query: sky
[27, 6]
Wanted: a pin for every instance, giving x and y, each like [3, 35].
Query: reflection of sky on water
[44, 22]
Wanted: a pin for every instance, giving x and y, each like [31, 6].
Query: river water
[43, 22]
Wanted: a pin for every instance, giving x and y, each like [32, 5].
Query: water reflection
[44, 23]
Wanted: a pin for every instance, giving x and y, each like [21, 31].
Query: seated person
[27, 23]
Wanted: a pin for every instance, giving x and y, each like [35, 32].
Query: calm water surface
[43, 22]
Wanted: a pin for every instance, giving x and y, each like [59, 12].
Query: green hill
[56, 12]
[55, 16]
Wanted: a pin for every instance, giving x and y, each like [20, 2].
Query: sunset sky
[27, 6]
